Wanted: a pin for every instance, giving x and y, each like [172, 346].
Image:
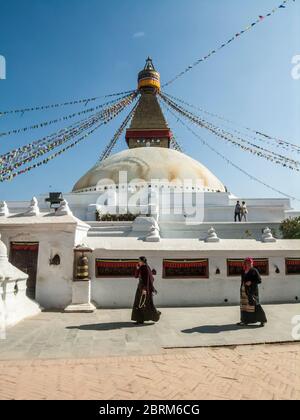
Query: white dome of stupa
[148, 164]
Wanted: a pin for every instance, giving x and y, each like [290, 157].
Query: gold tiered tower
[148, 127]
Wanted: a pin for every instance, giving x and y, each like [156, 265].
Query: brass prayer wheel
[81, 263]
[82, 269]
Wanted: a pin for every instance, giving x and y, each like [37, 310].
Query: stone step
[107, 234]
[109, 224]
[110, 228]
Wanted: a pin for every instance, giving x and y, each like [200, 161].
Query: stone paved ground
[110, 332]
[103, 356]
[246, 372]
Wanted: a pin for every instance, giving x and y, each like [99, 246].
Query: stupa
[155, 201]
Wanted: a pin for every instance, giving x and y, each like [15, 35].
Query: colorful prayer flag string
[260, 19]
[109, 148]
[175, 144]
[12, 173]
[58, 105]
[57, 120]
[252, 177]
[48, 143]
[254, 134]
[239, 142]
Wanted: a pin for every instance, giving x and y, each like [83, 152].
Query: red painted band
[146, 134]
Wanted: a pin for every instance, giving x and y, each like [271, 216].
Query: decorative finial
[33, 209]
[154, 233]
[4, 212]
[212, 236]
[64, 209]
[149, 64]
[267, 236]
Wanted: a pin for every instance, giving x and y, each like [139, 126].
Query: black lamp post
[55, 198]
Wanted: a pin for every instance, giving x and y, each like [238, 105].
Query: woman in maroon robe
[143, 307]
[251, 310]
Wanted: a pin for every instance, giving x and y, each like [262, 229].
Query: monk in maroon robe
[143, 307]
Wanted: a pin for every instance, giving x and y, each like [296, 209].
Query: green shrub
[290, 228]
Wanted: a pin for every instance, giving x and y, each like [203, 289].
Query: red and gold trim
[24, 246]
[245, 306]
[191, 268]
[115, 268]
[235, 266]
[292, 266]
[184, 263]
[116, 263]
[148, 134]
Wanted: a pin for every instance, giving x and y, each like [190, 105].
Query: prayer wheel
[82, 271]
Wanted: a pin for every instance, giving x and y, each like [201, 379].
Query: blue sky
[59, 50]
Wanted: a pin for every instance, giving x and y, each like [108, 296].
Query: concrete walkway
[53, 335]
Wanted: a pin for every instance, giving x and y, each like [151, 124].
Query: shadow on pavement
[108, 326]
[216, 329]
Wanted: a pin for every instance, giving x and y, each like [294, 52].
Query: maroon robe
[143, 308]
